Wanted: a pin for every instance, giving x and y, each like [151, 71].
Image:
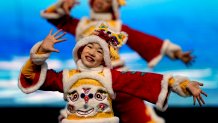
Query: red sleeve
[66, 23]
[53, 82]
[146, 86]
[145, 45]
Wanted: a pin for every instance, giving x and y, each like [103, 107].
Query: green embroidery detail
[133, 72]
[123, 72]
[143, 73]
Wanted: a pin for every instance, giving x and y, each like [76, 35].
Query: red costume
[150, 48]
[145, 86]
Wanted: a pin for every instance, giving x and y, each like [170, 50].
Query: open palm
[49, 42]
[194, 89]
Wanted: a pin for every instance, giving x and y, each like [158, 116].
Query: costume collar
[100, 16]
[83, 68]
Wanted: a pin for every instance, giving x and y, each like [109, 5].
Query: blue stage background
[190, 23]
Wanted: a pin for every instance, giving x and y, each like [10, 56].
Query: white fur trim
[60, 12]
[168, 49]
[40, 82]
[102, 120]
[53, 15]
[83, 68]
[162, 102]
[108, 77]
[63, 112]
[85, 24]
[155, 60]
[93, 39]
[176, 85]
[171, 48]
[105, 81]
[154, 116]
[115, 6]
[123, 69]
[100, 16]
[38, 59]
[82, 26]
[118, 62]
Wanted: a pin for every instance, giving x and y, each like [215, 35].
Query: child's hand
[68, 4]
[194, 88]
[185, 57]
[48, 43]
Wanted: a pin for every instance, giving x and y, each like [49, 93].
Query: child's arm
[152, 87]
[59, 15]
[34, 74]
[152, 49]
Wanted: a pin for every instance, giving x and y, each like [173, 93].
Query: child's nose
[92, 52]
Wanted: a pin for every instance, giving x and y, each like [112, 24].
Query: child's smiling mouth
[90, 59]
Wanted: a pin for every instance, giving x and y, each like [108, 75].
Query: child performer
[90, 88]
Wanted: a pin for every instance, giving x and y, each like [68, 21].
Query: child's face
[102, 5]
[92, 55]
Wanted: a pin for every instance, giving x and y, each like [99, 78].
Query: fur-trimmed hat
[115, 8]
[109, 41]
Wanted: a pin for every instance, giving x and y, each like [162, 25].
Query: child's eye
[89, 46]
[99, 51]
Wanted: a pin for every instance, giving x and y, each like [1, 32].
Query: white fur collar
[83, 68]
[100, 16]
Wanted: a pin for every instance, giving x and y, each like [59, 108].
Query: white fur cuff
[162, 102]
[59, 12]
[38, 59]
[176, 86]
[39, 83]
[171, 48]
[157, 59]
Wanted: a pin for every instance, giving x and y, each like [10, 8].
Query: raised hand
[47, 45]
[68, 4]
[185, 57]
[194, 88]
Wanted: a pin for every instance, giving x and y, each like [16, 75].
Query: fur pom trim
[55, 15]
[40, 82]
[38, 59]
[102, 120]
[176, 85]
[93, 39]
[162, 102]
[105, 81]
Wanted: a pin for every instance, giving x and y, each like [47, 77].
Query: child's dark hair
[80, 51]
